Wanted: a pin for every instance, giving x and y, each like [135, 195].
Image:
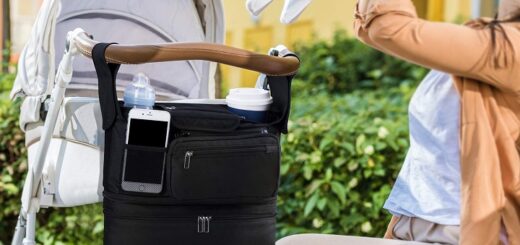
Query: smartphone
[143, 170]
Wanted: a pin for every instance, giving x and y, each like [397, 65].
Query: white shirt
[428, 186]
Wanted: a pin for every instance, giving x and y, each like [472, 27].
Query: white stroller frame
[26, 226]
[79, 42]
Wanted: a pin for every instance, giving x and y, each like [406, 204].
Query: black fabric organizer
[225, 194]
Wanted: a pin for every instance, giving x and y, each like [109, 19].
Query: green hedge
[80, 225]
[348, 138]
[13, 163]
[340, 159]
[345, 64]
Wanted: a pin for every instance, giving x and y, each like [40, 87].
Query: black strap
[281, 92]
[106, 73]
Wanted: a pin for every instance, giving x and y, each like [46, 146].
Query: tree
[6, 35]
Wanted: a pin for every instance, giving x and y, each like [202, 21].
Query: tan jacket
[489, 85]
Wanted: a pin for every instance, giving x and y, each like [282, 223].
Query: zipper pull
[264, 131]
[187, 159]
[167, 108]
[182, 134]
[203, 223]
[208, 220]
[200, 224]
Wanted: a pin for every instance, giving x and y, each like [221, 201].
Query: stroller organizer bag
[221, 172]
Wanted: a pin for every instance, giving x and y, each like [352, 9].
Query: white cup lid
[249, 93]
[249, 96]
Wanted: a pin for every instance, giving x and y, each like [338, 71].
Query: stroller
[60, 110]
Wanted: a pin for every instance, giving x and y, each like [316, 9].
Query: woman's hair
[496, 28]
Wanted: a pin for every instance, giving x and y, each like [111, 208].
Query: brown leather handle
[139, 54]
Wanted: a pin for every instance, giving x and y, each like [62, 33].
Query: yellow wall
[322, 18]
[488, 8]
[23, 15]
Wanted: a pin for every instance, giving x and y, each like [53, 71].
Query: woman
[460, 183]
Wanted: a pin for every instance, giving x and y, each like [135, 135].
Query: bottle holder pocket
[235, 170]
[143, 170]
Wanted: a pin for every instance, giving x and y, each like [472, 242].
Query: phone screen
[141, 167]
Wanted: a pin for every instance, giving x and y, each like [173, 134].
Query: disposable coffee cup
[250, 103]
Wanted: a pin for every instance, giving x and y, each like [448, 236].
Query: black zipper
[203, 221]
[190, 138]
[219, 150]
[194, 218]
[171, 108]
[189, 107]
[241, 132]
[187, 133]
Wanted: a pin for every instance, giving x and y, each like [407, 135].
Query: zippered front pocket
[218, 169]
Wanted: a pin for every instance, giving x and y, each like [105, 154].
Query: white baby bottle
[139, 93]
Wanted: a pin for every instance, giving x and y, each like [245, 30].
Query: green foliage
[78, 225]
[347, 139]
[345, 64]
[6, 83]
[13, 163]
[340, 159]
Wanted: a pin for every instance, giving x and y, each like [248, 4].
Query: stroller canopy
[121, 21]
[137, 21]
